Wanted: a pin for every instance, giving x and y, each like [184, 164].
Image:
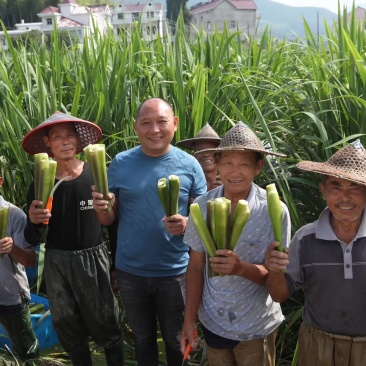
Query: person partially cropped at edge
[151, 258]
[327, 258]
[238, 317]
[77, 266]
[15, 253]
[206, 138]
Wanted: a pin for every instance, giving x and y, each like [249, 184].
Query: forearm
[277, 286]
[256, 273]
[26, 257]
[33, 233]
[194, 290]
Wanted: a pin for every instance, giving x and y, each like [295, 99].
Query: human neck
[345, 230]
[71, 167]
[210, 179]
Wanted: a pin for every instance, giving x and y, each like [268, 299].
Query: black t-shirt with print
[74, 224]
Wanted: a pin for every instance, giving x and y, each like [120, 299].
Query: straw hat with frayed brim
[205, 134]
[242, 138]
[348, 163]
[87, 132]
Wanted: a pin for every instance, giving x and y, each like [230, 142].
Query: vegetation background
[305, 98]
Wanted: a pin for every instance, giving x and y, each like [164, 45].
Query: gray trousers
[81, 299]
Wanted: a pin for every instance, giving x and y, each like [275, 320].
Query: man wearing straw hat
[238, 317]
[206, 138]
[77, 264]
[327, 258]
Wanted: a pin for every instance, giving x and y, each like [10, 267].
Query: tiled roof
[238, 4]
[139, 7]
[68, 23]
[50, 10]
[98, 8]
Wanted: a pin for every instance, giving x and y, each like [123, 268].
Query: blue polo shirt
[144, 247]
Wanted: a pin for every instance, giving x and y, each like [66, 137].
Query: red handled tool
[189, 347]
[50, 198]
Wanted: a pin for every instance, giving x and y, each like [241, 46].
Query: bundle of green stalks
[221, 229]
[44, 177]
[95, 155]
[4, 214]
[168, 190]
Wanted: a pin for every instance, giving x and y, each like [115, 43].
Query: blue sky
[328, 4]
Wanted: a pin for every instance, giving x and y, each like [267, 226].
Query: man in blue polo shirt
[151, 258]
[328, 259]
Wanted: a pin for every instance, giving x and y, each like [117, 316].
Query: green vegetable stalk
[4, 214]
[275, 213]
[95, 155]
[44, 177]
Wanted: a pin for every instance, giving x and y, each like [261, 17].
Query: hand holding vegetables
[222, 231]
[95, 155]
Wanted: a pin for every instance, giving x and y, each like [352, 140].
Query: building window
[120, 16]
[232, 24]
[208, 25]
[135, 16]
[49, 21]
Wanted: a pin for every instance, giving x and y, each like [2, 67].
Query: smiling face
[237, 171]
[207, 158]
[62, 140]
[155, 127]
[345, 199]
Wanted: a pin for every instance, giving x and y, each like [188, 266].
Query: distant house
[80, 20]
[237, 14]
[360, 14]
[125, 17]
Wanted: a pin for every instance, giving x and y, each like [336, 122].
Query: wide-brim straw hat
[242, 138]
[87, 132]
[205, 134]
[347, 163]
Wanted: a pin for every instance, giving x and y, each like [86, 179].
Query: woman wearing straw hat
[206, 138]
[77, 265]
[328, 259]
[238, 317]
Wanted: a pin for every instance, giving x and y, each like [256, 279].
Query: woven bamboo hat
[87, 132]
[205, 134]
[242, 138]
[347, 163]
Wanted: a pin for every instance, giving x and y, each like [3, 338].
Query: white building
[125, 17]
[237, 14]
[81, 21]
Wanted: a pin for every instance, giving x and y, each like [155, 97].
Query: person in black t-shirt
[77, 263]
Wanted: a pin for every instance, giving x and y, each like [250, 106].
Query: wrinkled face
[155, 127]
[237, 171]
[62, 140]
[206, 159]
[346, 200]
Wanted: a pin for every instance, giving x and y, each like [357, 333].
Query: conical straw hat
[87, 132]
[347, 163]
[205, 134]
[242, 138]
